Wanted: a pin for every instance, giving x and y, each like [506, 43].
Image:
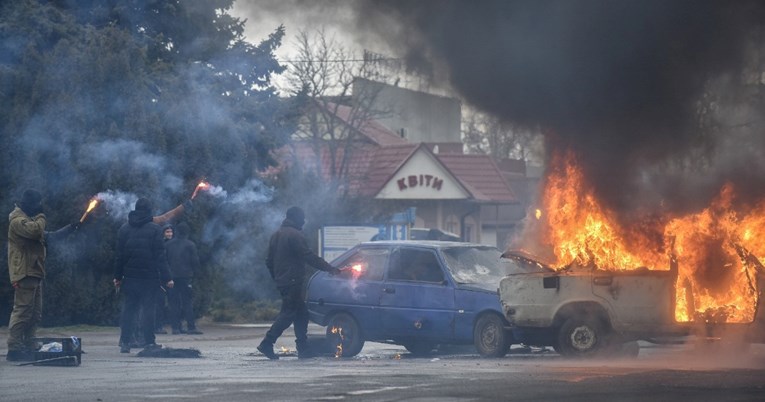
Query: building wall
[422, 117]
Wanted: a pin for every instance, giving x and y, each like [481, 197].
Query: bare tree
[487, 134]
[336, 111]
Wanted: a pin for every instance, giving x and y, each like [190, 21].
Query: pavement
[230, 369]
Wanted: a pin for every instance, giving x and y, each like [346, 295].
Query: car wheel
[342, 329]
[490, 336]
[582, 337]
[420, 348]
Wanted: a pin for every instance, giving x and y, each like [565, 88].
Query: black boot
[20, 356]
[268, 350]
[304, 351]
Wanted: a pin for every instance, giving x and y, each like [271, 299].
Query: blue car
[418, 294]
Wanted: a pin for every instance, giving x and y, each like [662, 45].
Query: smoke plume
[628, 85]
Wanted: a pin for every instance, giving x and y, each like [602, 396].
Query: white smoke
[254, 191]
[118, 204]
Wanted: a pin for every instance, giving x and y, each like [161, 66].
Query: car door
[356, 290]
[639, 299]
[417, 299]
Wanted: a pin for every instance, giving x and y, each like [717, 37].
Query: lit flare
[91, 206]
[203, 185]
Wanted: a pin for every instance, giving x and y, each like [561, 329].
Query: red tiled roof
[372, 129]
[480, 176]
[357, 167]
[373, 162]
[385, 163]
[370, 167]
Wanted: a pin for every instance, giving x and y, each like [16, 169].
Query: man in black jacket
[141, 265]
[288, 254]
[184, 260]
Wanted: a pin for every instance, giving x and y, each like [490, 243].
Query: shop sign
[423, 180]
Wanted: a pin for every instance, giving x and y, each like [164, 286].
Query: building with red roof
[466, 194]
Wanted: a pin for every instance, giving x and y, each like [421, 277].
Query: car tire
[582, 337]
[420, 348]
[490, 337]
[352, 339]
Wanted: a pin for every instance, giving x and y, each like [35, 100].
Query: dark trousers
[27, 313]
[160, 311]
[181, 304]
[293, 311]
[139, 295]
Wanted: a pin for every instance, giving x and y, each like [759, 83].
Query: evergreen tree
[144, 97]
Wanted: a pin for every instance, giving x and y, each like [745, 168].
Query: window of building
[452, 224]
[469, 234]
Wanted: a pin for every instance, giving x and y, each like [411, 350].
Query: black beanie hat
[31, 197]
[30, 202]
[143, 204]
[296, 214]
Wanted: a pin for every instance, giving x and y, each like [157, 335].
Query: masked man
[27, 241]
[288, 254]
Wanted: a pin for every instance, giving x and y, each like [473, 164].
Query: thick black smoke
[618, 81]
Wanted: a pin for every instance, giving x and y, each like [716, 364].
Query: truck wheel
[348, 334]
[490, 337]
[582, 337]
[420, 348]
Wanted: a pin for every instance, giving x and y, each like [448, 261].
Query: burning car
[583, 311]
[418, 294]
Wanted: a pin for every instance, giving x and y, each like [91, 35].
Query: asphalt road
[231, 370]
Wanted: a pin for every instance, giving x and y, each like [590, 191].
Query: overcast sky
[264, 16]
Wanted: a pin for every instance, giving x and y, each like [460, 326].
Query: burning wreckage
[602, 295]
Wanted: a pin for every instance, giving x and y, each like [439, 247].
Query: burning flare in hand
[355, 269]
[203, 185]
[91, 206]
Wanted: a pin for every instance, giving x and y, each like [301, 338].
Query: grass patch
[76, 329]
[254, 311]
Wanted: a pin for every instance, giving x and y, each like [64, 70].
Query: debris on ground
[170, 352]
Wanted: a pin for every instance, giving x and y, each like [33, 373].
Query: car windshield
[475, 265]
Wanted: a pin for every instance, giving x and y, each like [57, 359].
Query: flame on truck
[717, 249]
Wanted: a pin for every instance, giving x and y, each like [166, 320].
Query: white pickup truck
[588, 312]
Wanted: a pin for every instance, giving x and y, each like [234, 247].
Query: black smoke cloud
[619, 82]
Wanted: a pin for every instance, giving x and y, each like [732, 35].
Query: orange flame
[203, 185]
[713, 280]
[355, 269]
[339, 347]
[91, 206]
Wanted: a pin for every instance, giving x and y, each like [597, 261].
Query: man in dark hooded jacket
[184, 260]
[141, 266]
[288, 254]
[27, 241]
